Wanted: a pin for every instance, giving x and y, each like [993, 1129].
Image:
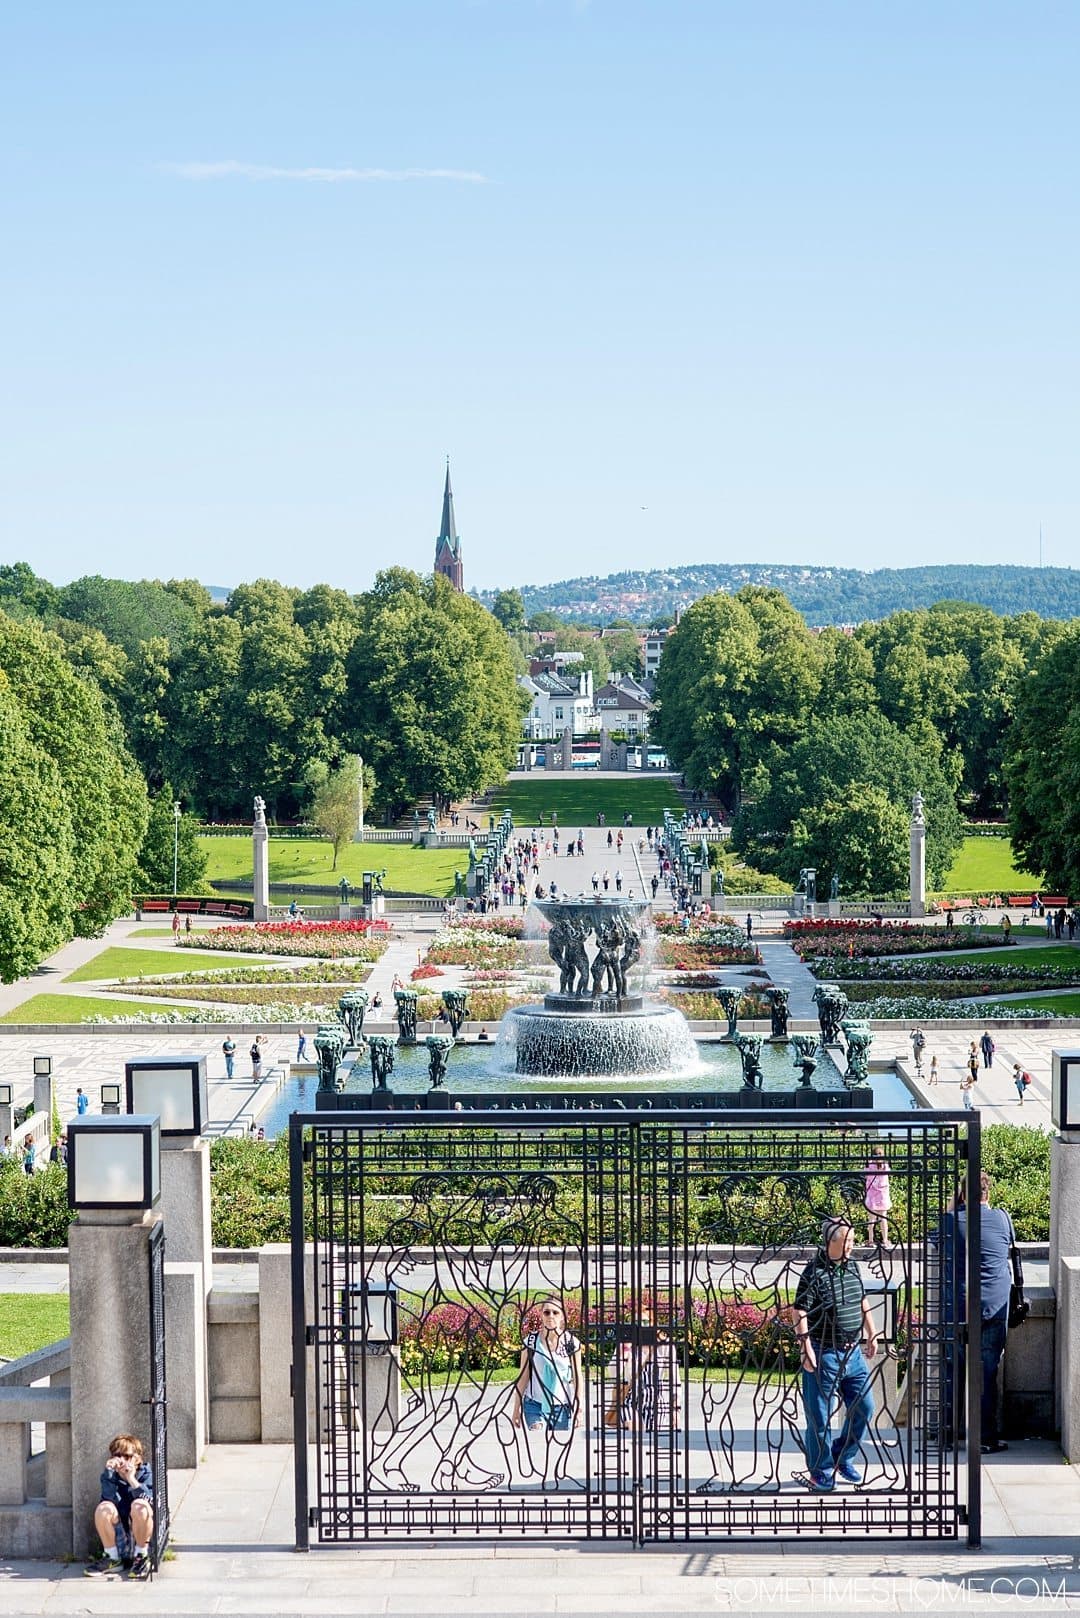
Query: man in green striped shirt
[834, 1326]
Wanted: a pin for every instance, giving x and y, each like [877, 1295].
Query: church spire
[448, 545]
[448, 530]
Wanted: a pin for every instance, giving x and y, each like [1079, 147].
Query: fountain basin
[579, 1042]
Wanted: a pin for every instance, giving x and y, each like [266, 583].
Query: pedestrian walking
[987, 1046]
[967, 1085]
[1021, 1079]
[228, 1050]
[596, 882]
[918, 1045]
[618, 881]
[256, 1059]
[82, 1102]
[933, 1079]
[749, 927]
[877, 1198]
[176, 927]
[301, 1045]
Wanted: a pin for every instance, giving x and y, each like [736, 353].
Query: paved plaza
[233, 1520]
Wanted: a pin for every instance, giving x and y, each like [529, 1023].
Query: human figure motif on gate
[489, 1247]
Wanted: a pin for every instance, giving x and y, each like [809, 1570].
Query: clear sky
[671, 282]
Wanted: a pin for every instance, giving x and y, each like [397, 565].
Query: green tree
[736, 687]
[20, 586]
[433, 702]
[624, 651]
[509, 608]
[840, 800]
[128, 612]
[155, 873]
[335, 804]
[101, 791]
[37, 868]
[1043, 766]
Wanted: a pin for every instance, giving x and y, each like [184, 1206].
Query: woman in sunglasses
[548, 1393]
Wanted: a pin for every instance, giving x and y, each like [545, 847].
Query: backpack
[1025, 1079]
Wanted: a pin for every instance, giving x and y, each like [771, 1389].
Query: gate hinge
[309, 1336]
[962, 1516]
[962, 1147]
[313, 1517]
[306, 1149]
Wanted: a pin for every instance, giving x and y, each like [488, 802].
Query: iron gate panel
[158, 1401]
[433, 1246]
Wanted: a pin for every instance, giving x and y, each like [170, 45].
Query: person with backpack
[1021, 1078]
[548, 1390]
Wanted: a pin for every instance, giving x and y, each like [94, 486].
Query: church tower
[448, 545]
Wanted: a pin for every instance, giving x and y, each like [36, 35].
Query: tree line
[117, 697]
[816, 742]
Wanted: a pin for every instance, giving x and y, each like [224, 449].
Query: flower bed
[468, 946]
[461, 1336]
[424, 970]
[343, 972]
[707, 1008]
[865, 939]
[918, 1008]
[230, 994]
[498, 925]
[689, 954]
[248, 1012]
[332, 940]
[989, 975]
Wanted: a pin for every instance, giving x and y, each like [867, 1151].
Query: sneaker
[849, 1472]
[820, 1483]
[103, 1567]
[140, 1568]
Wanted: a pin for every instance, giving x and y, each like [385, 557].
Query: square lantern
[110, 1099]
[373, 1314]
[42, 1067]
[172, 1086]
[114, 1162]
[6, 1095]
[1065, 1090]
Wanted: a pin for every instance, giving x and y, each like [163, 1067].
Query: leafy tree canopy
[1043, 766]
[840, 800]
[433, 703]
[155, 874]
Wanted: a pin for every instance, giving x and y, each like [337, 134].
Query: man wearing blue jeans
[836, 1337]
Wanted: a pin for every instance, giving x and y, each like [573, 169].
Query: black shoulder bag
[1019, 1307]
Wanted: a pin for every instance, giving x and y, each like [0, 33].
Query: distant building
[558, 703]
[623, 704]
[448, 545]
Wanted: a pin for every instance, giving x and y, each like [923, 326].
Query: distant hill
[825, 595]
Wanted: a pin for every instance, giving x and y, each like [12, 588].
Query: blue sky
[673, 282]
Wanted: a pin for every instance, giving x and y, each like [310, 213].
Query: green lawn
[292, 861]
[577, 802]
[53, 1008]
[1065, 956]
[30, 1320]
[1061, 1005]
[985, 865]
[137, 963]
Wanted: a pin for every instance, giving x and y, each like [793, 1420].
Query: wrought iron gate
[666, 1402]
[158, 1402]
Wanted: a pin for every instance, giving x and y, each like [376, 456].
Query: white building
[557, 703]
[623, 704]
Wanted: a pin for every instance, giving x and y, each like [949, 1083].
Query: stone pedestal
[1065, 1250]
[185, 1204]
[185, 1364]
[111, 1374]
[7, 1123]
[834, 909]
[275, 1343]
[260, 840]
[43, 1095]
[917, 860]
[567, 750]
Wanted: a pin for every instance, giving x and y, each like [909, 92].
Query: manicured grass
[578, 802]
[166, 932]
[409, 870]
[1066, 957]
[985, 865]
[30, 1320]
[1061, 1005]
[137, 963]
[53, 1008]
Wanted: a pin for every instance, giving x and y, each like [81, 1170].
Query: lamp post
[175, 845]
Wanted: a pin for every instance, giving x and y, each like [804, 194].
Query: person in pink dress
[877, 1197]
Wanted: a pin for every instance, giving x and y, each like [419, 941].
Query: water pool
[478, 1070]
